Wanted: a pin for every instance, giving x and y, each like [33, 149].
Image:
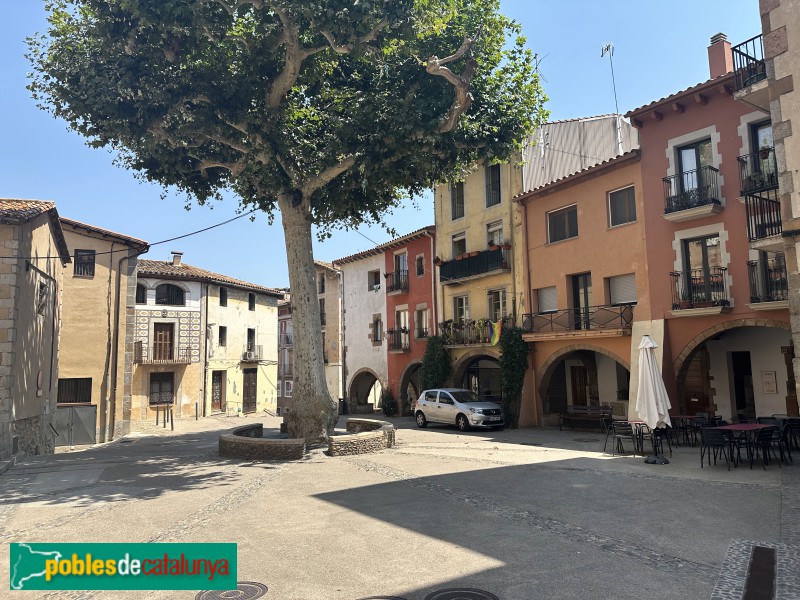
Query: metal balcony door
[582, 299]
[701, 255]
[249, 390]
[217, 391]
[163, 340]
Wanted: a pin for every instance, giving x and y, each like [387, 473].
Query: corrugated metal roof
[430, 229]
[166, 270]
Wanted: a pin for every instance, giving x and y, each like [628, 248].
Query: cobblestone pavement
[524, 514]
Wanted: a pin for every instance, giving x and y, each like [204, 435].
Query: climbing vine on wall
[513, 362]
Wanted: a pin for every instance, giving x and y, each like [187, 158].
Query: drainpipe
[204, 327]
[434, 308]
[115, 354]
[106, 399]
[341, 339]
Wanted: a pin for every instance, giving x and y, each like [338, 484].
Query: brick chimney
[176, 258]
[720, 59]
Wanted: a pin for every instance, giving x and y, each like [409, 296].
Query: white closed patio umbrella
[652, 402]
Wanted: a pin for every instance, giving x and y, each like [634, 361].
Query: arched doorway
[584, 376]
[739, 371]
[365, 389]
[481, 374]
[410, 387]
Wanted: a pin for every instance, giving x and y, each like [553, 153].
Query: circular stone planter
[247, 443]
[364, 436]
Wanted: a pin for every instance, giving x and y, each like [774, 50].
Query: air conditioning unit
[249, 355]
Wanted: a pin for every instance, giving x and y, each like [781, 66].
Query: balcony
[691, 194]
[475, 264]
[750, 71]
[396, 282]
[769, 284]
[594, 321]
[286, 339]
[398, 340]
[758, 172]
[161, 354]
[251, 353]
[700, 291]
[758, 175]
[470, 333]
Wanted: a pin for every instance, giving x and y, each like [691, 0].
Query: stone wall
[246, 443]
[367, 435]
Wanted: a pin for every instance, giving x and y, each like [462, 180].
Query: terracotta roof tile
[665, 99]
[15, 212]
[430, 229]
[165, 269]
[106, 232]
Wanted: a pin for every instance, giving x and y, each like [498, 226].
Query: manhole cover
[586, 440]
[245, 590]
[461, 594]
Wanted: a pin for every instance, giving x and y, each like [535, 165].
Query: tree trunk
[314, 413]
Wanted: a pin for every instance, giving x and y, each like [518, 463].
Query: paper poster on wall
[770, 382]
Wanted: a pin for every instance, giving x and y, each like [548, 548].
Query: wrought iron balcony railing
[398, 340]
[691, 189]
[161, 398]
[478, 263]
[161, 353]
[758, 172]
[763, 217]
[699, 288]
[467, 333]
[422, 333]
[397, 281]
[287, 339]
[251, 353]
[748, 62]
[768, 280]
[590, 318]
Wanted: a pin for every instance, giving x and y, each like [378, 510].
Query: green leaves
[271, 96]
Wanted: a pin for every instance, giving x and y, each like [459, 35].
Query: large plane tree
[331, 111]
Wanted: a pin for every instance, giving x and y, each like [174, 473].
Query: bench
[586, 414]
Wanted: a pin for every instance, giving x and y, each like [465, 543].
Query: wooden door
[217, 391]
[580, 381]
[163, 336]
[249, 391]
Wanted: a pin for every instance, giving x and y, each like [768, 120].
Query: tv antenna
[608, 48]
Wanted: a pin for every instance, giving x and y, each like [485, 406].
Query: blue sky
[660, 48]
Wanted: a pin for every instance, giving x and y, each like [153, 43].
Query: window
[457, 200]
[322, 311]
[460, 309]
[321, 283]
[287, 390]
[621, 207]
[278, 409]
[459, 244]
[223, 336]
[170, 295]
[420, 265]
[141, 294]
[251, 340]
[75, 391]
[492, 176]
[494, 233]
[223, 296]
[377, 330]
[162, 388]
[562, 224]
[546, 299]
[84, 263]
[692, 159]
[251, 301]
[496, 300]
[422, 322]
[41, 298]
[374, 280]
[622, 289]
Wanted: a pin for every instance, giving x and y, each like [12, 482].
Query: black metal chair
[622, 431]
[659, 435]
[717, 443]
[763, 447]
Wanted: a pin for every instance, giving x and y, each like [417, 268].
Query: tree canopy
[343, 102]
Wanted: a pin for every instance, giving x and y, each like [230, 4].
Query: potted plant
[493, 245]
[437, 261]
[764, 151]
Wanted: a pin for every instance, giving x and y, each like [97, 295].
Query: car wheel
[421, 420]
[462, 422]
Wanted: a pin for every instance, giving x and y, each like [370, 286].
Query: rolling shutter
[547, 299]
[622, 289]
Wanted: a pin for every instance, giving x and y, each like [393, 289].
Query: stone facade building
[33, 254]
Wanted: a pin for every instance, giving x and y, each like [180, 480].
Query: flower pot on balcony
[460, 257]
[493, 246]
[437, 261]
[763, 153]
[471, 254]
[506, 246]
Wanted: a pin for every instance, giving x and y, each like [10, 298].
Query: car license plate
[492, 420]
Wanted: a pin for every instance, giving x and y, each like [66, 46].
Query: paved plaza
[523, 515]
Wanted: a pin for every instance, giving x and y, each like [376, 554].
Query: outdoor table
[748, 431]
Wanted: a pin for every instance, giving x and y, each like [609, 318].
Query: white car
[453, 406]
